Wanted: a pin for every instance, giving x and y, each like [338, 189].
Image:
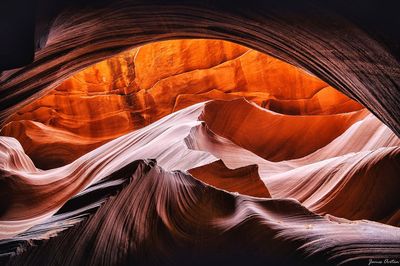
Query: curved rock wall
[309, 34]
[295, 173]
[140, 86]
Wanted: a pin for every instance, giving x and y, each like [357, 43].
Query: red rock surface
[244, 180]
[273, 136]
[166, 202]
[138, 87]
[278, 166]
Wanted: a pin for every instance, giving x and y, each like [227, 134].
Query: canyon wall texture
[326, 41]
[235, 204]
[140, 86]
[198, 151]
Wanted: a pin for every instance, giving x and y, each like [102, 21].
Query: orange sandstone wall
[139, 86]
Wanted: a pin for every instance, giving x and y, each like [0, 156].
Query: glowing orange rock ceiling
[138, 87]
[192, 144]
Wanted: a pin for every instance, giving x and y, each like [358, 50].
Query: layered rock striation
[140, 86]
[197, 152]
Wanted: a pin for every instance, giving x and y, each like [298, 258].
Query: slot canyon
[200, 133]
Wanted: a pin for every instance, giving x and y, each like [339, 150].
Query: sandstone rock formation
[169, 154]
[138, 87]
[187, 213]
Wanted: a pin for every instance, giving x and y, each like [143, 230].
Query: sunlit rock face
[193, 152]
[138, 87]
